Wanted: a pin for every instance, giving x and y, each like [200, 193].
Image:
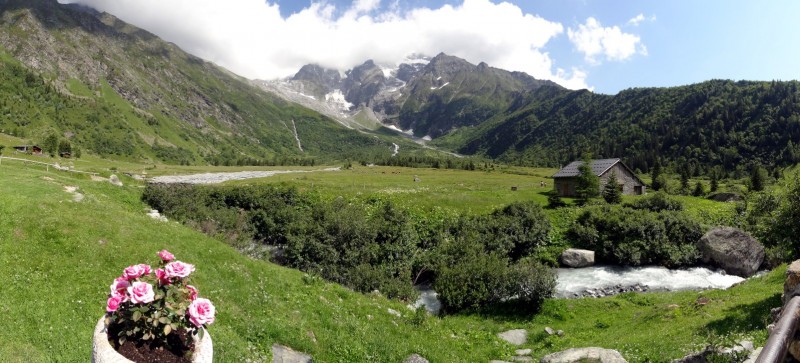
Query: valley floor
[58, 254]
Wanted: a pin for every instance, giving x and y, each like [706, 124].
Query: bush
[626, 236]
[371, 244]
[774, 218]
[531, 283]
[524, 225]
[472, 273]
[656, 202]
[473, 282]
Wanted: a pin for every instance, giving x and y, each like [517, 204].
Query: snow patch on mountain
[337, 99]
[395, 128]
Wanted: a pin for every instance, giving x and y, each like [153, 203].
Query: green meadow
[59, 255]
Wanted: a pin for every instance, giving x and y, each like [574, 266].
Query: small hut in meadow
[28, 149]
[565, 180]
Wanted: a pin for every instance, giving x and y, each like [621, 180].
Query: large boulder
[574, 257]
[515, 336]
[732, 249]
[575, 355]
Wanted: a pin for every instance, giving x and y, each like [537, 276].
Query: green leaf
[200, 333]
[167, 329]
[137, 315]
[122, 340]
[163, 320]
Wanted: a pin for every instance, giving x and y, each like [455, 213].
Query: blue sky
[686, 41]
[606, 46]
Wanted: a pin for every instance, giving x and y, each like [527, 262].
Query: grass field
[469, 191]
[58, 256]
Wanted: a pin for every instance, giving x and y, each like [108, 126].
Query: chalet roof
[599, 167]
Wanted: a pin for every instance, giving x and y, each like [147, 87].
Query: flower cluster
[149, 305]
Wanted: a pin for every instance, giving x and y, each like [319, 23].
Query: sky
[604, 46]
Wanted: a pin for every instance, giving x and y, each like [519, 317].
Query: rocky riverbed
[599, 281]
[213, 178]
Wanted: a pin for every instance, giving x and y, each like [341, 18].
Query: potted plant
[154, 315]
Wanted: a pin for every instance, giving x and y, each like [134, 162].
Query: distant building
[565, 180]
[29, 149]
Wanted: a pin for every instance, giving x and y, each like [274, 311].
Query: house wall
[565, 187]
[625, 178]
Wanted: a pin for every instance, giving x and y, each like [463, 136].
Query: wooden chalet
[565, 180]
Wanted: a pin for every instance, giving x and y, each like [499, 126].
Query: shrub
[470, 276]
[372, 244]
[627, 236]
[775, 219]
[531, 282]
[524, 225]
[473, 282]
[656, 202]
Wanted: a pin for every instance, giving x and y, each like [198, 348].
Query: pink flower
[135, 271]
[192, 292]
[201, 312]
[114, 301]
[120, 285]
[162, 277]
[178, 269]
[141, 292]
[166, 256]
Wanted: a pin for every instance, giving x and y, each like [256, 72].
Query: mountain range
[117, 90]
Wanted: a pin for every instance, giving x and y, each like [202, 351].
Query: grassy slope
[58, 256]
[473, 191]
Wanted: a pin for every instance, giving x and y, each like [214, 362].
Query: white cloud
[638, 19]
[594, 40]
[251, 38]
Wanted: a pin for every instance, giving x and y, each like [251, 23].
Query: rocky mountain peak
[363, 83]
[330, 78]
[444, 64]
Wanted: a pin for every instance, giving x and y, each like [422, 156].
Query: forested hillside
[110, 88]
[716, 124]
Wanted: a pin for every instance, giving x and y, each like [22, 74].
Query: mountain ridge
[151, 98]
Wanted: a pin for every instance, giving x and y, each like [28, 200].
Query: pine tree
[756, 179]
[684, 180]
[554, 200]
[50, 144]
[714, 182]
[587, 185]
[611, 192]
[656, 182]
[699, 190]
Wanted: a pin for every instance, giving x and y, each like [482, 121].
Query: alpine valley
[112, 89]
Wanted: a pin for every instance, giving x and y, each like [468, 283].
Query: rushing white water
[576, 280]
[429, 299]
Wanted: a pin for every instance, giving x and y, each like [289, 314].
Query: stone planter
[103, 352]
